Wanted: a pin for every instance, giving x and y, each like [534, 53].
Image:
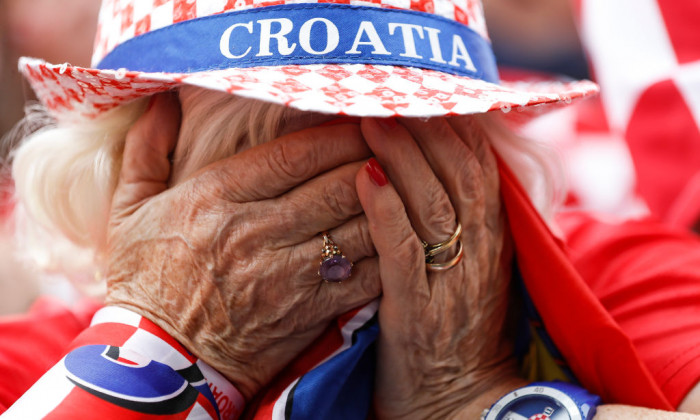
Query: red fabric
[683, 28]
[591, 117]
[32, 343]
[148, 325]
[646, 276]
[596, 349]
[685, 211]
[666, 155]
[110, 334]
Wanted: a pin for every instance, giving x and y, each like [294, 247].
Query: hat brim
[346, 89]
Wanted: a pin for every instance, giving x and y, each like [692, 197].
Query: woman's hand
[442, 346]
[227, 261]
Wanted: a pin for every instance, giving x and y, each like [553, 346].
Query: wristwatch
[544, 401]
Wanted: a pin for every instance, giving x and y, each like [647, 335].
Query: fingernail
[376, 173]
[387, 123]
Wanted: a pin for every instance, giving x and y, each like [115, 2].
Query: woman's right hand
[227, 262]
[443, 351]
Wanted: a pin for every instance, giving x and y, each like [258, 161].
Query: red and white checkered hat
[383, 58]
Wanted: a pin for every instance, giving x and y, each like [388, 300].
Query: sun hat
[382, 58]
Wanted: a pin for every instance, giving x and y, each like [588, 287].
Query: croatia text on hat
[307, 33]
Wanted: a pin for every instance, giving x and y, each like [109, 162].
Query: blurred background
[540, 35]
[58, 31]
[55, 30]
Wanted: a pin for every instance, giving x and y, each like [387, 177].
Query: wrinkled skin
[227, 261]
[442, 336]
[444, 347]
[210, 259]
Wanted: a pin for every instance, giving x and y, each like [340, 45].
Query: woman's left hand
[227, 261]
[442, 343]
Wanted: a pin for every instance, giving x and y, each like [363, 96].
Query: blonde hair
[65, 175]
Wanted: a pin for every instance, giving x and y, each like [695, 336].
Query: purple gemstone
[335, 269]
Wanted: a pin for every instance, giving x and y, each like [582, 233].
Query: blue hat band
[305, 33]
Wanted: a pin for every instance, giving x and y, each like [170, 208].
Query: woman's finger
[352, 238]
[427, 204]
[146, 165]
[353, 241]
[472, 133]
[273, 168]
[401, 256]
[318, 205]
[471, 180]
[335, 299]
[355, 244]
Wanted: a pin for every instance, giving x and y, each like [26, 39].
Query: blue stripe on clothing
[341, 387]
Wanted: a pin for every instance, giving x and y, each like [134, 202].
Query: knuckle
[471, 175]
[217, 182]
[341, 199]
[440, 211]
[440, 128]
[288, 161]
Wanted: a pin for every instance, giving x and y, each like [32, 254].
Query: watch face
[535, 408]
[535, 403]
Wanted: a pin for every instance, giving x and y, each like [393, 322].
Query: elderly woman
[204, 208]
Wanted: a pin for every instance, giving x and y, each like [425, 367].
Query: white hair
[65, 174]
[536, 164]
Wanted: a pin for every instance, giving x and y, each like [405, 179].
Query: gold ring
[448, 264]
[433, 250]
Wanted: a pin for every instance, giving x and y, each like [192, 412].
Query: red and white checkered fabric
[639, 146]
[351, 89]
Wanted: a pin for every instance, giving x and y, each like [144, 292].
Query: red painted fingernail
[376, 173]
[342, 120]
[387, 123]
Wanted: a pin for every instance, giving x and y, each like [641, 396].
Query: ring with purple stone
[335, 267]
